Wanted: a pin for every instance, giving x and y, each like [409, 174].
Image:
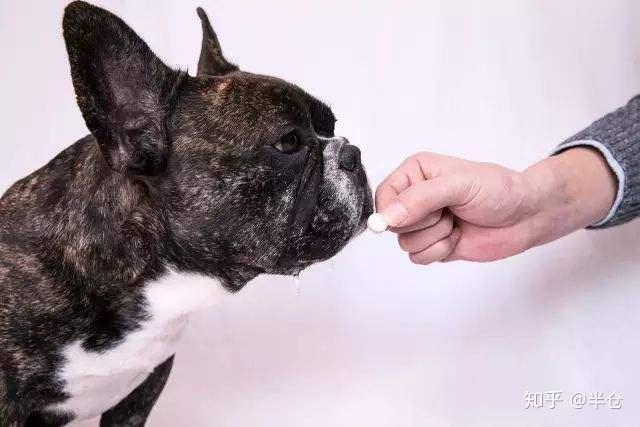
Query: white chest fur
[96, 382]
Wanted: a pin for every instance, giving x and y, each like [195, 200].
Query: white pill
[376, 223]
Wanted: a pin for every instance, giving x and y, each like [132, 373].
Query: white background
[370, 339]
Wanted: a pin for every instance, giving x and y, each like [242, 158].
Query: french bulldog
[187, 188]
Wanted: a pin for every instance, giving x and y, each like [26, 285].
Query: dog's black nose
[349, 157]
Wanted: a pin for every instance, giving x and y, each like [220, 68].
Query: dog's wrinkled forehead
[257, 105]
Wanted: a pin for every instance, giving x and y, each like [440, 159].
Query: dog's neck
[92, 225]
[85, 221]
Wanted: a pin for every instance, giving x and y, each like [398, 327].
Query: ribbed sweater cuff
[617, 137]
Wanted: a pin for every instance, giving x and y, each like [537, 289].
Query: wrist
[569, 191]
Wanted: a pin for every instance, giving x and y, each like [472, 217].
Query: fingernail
[395, 214]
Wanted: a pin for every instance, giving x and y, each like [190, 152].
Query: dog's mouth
[323, 238]
[332, 209]
[319, 223]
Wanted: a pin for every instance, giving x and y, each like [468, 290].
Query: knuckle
[443, 248]
[408, 160]
[417, 157]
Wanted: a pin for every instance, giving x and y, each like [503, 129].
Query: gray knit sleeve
[617, 136]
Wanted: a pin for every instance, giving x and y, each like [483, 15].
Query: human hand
[444, 208]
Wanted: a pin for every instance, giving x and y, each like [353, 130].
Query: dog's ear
[124, 91]
[212, 62]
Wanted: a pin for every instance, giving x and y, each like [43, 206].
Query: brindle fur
[179, 171]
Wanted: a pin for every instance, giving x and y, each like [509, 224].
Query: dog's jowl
[186, 189]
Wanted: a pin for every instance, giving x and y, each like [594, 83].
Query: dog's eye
[290, 143]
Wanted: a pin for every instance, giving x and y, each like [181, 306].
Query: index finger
[407, 174]
[422, 199]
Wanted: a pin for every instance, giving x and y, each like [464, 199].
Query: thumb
[423, 198]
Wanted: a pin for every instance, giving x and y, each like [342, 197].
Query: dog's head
[245, 168]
